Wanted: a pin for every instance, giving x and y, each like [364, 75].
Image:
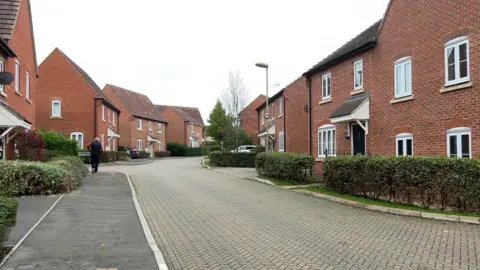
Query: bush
[232, 159]
[122, 155]
[8, 215]
[215, 148]
[176, 149]
[162, 154]
[437, 182]
[108, 156]
[181, 150]
[285, 166]
[30, 145]
[194, 151]
[260, 149]
[55, 141]
[49, 154]
[143, 154]
[122, 148]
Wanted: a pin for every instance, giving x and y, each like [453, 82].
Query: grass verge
[326, 191]
[280, 182]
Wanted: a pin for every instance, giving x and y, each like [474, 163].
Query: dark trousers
[94, 159]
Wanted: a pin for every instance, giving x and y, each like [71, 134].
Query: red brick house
[69, 101]
[185, 125]
[288, 119]
[18, 58]
[141, 125]
[249, 118]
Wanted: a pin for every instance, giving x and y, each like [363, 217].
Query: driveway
[206, 220]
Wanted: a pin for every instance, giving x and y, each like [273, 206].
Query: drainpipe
[94, 118]
[309, 82]
[284, 124]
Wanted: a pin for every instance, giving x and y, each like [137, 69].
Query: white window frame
[56, 101]
[359, 62]
[262, 117]
[103, 113]
[108, 115]
[408, 82]
[113, 119]
[272, 112]
[403, 137]
[2, 68]
[150, 126]
[17, 76]
[280, 107]
[455, 43]
[27, 86]
[191, 128]
[458, 132]
[139, 145]
[159, 127]
[327, 129]
[281, 141]
[74, 136]
[326, 88]
[139, 124]
[103, 139]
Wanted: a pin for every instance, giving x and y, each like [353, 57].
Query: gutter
[95, 118]
[4, 46]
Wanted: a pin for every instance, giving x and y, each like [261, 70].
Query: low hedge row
[181, 150]
[8, 214]
[435, 182]
[60, 175]
[285, 166]
[143, 154]
[232, 159]
[162, 154]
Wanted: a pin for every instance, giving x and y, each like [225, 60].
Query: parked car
[133, 153]
[245, 148]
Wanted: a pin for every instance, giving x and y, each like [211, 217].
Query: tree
[219, 122]
[235, 138]
[234, 98]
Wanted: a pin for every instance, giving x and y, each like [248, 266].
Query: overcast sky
[180, 52]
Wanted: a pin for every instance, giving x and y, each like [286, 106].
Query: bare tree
[234, 99]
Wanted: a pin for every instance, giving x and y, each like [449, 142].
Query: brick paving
[206, 220]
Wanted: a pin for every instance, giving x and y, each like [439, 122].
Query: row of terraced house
[59, 95]
[407, 85]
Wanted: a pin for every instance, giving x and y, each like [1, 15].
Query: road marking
[146, 229]
[29, 232]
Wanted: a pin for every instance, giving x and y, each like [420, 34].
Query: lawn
[326, 191]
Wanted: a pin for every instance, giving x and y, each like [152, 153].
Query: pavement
[95, 227]
[241, 172]
[205, 220]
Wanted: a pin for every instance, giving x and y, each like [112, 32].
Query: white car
[245, 148]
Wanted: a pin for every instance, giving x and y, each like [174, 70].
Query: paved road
[205, 220]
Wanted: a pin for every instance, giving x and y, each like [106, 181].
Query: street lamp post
[267, 115]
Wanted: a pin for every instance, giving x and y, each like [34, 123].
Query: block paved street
[206, 220]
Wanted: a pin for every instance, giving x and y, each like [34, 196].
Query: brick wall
[197, 131]
[249, 118]
[103, 124]
[276, 119]
[175, 128]
[296, 118]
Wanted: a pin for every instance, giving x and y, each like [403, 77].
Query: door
[150, 149]
[358, 140]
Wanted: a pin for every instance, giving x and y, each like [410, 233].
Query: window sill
[104, 120]
[28, 100]
[320, 159]
[55, 117]
[3, 94]
[456, 87]
[402, 99]
[18, 93]
[280, 116]
[357, 91]
[325, 101]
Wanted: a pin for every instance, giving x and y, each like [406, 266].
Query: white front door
[150, 149]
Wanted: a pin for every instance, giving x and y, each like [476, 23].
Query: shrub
[50, 154]
[8, 214]
[438, 182]
[122, 148]
[181, 150]
[260, 149]
[30, 145]
[232, 159]
[143, 154]
[108, 156]
[162, 154]
[215, 148]
[194, 151]
[285, 166]
[122, 155]
[57, 142]
[176, 149]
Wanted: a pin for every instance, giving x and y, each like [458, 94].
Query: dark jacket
[95, 148]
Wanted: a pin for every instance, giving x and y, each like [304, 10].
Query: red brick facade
[179, 130]
[249, 118]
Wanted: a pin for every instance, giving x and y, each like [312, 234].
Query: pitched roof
[190, 114]
[8, 17]
[90, 82]
[139, 105]
[363, 41]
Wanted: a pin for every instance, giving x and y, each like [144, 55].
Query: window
[108, 115]
[77, 136]
[27, 86]
[459, 142]
[280, 107]
[327, 141]
[150, 125]
[404, 144]
[103, 139]
[191, 127]
[139, 145]
[2, 68]
[262, 117]
[326, 84]
[272, 112]
[403, 77]
[457, 61]
[159, 128]
[103, 113]
[281, 141]
[358, 75]
[139, 124]
[160, 146]
[56, 108]
[17, 76]
[113, 118]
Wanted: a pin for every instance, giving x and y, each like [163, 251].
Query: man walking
[95, 149]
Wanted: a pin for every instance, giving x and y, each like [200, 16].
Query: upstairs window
[191, 127]
[139, 124]
[150, 125]
[358, 75]
[403, 77]
[262, 117]
[457, 61]
[103, 112]
[56, 108]
[27, 86]
[108, 115]
[159, 128]
[17, 76]
[280, 107]
[459, 142]
[272, 112]
[326, 84]
[113, 119]
[404, 144]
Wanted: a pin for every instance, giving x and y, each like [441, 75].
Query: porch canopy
[112, 134]
[10, 121]
[152, 139]
[271, 132]
[355, 109]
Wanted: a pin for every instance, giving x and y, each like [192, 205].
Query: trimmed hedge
[285, 166]
[122, 155]
[232, 159]
[8, 215]
[181, 150]
[108, 156]
[143, 154]
[434, 182]
[55, 141]
[162, 154]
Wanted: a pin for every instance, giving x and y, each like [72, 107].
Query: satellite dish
[6, 77]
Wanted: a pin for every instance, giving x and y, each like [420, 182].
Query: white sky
[180, 52]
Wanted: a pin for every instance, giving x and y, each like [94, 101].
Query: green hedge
[162, 154]
[8, 215]
[122, 155]
[108, 156]
[285, 166]
[181, 150]
[143, 154]
[232, 159]
[55, 141]
[435, 182]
